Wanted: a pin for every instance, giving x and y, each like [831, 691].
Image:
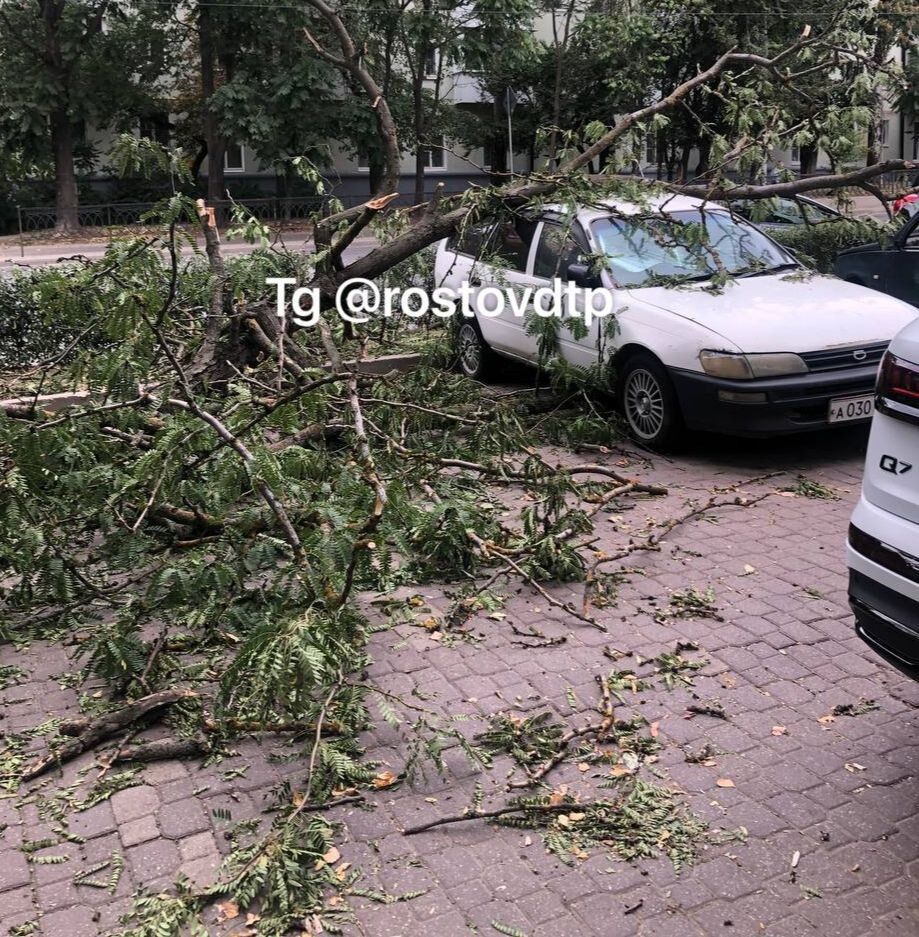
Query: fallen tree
[204, 522]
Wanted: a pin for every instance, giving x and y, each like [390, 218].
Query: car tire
[475, 357]
[649, 403]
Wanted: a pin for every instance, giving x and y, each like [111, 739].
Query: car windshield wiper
[764, 271]
[675, 279]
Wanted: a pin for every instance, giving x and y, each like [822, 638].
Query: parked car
[776, 350]
[883, 545]
[891, 268]
[785, 212]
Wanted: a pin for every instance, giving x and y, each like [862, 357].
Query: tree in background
[60, 70]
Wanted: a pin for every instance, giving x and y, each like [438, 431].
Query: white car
[775, 350]
[883, 546]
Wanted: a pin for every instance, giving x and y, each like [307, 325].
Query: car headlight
[747, 367]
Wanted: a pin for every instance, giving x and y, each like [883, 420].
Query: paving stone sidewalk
[842, 795]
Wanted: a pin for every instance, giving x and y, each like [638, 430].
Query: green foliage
[818, 244]
[30, 331]
[643, 820]
[529, 740]
[285, 870]
[808, 488]
[676, 670]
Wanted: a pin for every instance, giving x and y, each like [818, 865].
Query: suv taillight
[898, 382]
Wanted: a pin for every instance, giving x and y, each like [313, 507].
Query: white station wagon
[775, 350]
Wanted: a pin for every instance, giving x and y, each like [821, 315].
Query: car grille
[837, 359]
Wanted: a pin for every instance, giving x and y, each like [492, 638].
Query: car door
[900, 271]
[499, 287]
[558, 246]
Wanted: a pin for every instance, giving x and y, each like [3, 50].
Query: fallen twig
[486, 815]
[104, 727]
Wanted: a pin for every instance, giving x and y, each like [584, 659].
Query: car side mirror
[581, 275]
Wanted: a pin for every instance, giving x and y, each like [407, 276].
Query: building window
[431, 64]
[796, 154]
[883, 132]
[234, 158]
[651, 148]
[435, 157]
[155, 127]
[363, 160]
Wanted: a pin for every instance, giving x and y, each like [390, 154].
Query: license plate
[844, 409]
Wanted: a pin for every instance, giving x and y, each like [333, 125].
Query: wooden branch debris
[105, 726]
[489, 814]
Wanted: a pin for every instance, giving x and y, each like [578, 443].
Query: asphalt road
[46, 254]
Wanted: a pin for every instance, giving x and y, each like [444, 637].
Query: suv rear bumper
[884, 591]
[766, 407]
[882, 619]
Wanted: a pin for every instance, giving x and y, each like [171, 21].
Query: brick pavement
[784, 655]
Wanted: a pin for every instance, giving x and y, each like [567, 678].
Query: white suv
[883, 548]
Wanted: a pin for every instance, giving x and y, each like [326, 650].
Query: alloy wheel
[644, 403]
[470, 350]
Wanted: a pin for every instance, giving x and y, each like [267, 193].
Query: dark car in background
[892, 268]
[784, 212]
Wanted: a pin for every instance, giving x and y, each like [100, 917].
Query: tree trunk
[684, 162]
[873, 156]
[808, 160]
[705, 148]
[216, 145]
[198, 162]
[65, 177]
[419, 128]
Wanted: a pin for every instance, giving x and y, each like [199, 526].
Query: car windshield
[682, 246]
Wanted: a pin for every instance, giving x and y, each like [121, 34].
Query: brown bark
[66, 199]
[104, 727]
[161, 750]
[59, 69]
[214, 141]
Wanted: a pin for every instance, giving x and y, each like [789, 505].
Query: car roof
[657, 203]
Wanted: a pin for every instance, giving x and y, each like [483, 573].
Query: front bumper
[882, 593]
[788, 404]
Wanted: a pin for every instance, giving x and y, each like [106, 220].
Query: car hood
[906, 344]
[786, 313]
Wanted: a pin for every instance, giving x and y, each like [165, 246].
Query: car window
[784, 211]
[554, 252]
[768, 211]
[653, 250]
[470, 240]
[511, 242]
[814, 212]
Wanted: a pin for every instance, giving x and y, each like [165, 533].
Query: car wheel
[475, 357]
[648, 402]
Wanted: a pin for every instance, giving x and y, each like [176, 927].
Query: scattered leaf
[725, 782]
[226, 911]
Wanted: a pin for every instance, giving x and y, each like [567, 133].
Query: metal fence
[126, 214]
[283, 210]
